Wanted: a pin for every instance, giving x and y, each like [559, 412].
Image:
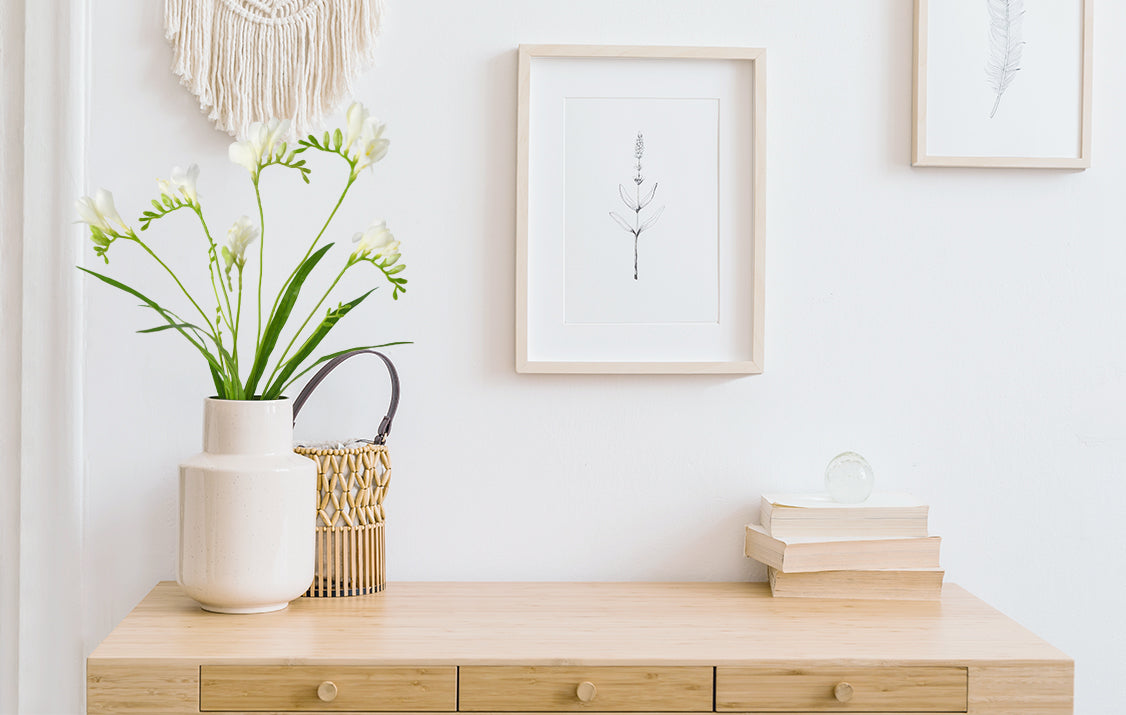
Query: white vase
[247, 516]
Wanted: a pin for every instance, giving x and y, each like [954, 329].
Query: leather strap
[385, 423]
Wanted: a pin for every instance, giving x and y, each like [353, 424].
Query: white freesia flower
[363, 138]
[276, 132]
[261, 142]
[185, 181]
[371, 146]
[182, 184]
[100, 212]
[376, 241]
[355, 117]
[243, 154]
[239, 236]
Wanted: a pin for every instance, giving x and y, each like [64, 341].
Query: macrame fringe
[251, 60]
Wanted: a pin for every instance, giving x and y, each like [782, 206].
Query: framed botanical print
[640, 216]
[1003, 83]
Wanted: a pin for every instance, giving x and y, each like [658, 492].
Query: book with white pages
[841, 553]
[894, 585]
[884, 514]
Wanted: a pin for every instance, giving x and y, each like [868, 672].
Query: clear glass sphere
[849, 478]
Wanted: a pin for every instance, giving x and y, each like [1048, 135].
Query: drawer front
[595, 689]
[869, 690]
[326, 688]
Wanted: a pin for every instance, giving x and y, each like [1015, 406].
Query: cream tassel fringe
[250, 60]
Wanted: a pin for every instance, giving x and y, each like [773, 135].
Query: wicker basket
[352, 481]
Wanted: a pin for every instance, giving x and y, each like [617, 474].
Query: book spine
[887, 554]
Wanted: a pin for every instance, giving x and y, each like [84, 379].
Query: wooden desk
[578, 647]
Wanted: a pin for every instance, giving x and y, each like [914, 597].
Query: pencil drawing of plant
[637, 203]
[1005, 45]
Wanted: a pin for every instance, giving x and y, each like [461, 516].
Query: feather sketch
[637, 202]
[1005, 45]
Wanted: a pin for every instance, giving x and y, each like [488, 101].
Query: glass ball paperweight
[849, 478]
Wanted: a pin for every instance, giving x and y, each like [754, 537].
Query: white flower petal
[185, 181]
[377, 151]
[391, 249]
[244, 154]
[375, 240]
[356, 116]
[103, 203]
[256, 135]
[239, 236]
[277, 131]
[88, 213]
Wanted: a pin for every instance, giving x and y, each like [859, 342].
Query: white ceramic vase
[247, 517]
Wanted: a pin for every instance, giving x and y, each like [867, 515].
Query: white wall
[961, 328]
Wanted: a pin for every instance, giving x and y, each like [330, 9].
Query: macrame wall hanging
[250, 60]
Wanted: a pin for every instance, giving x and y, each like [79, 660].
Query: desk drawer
[890, 689]
[601, 689]
[325, 688]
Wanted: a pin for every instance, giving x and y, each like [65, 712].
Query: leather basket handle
[385, 423]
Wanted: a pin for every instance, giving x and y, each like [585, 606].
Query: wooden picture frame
[557, 86]
[928, 143]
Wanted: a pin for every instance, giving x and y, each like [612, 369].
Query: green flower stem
[238, 320]
[297, 334]
[261, 256]
[351, 180]
[312, 246]
[212, 265]
[156, 258]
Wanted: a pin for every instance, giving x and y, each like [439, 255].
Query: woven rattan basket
[352, 481]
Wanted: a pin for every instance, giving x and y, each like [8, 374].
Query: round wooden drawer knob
[586, 691]
[843, 692]
[327, 691]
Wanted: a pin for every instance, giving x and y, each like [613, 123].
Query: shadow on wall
[497, 260]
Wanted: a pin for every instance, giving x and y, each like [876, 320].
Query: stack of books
[814, 547]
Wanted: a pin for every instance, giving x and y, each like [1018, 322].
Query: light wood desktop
[578, 647]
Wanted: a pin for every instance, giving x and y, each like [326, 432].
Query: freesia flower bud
[240, 235]
[99, 212]
[376, 241]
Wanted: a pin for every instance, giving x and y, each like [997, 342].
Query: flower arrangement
[216, 334]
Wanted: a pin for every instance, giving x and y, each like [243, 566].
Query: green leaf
[280, 317]
[273, 391]
[227, 358]
[167, 315]
[170, 326]
[220, 388]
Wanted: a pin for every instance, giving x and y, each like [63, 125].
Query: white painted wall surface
[961, 328]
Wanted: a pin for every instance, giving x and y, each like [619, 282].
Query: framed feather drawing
[1003, 83]
[640, 211]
